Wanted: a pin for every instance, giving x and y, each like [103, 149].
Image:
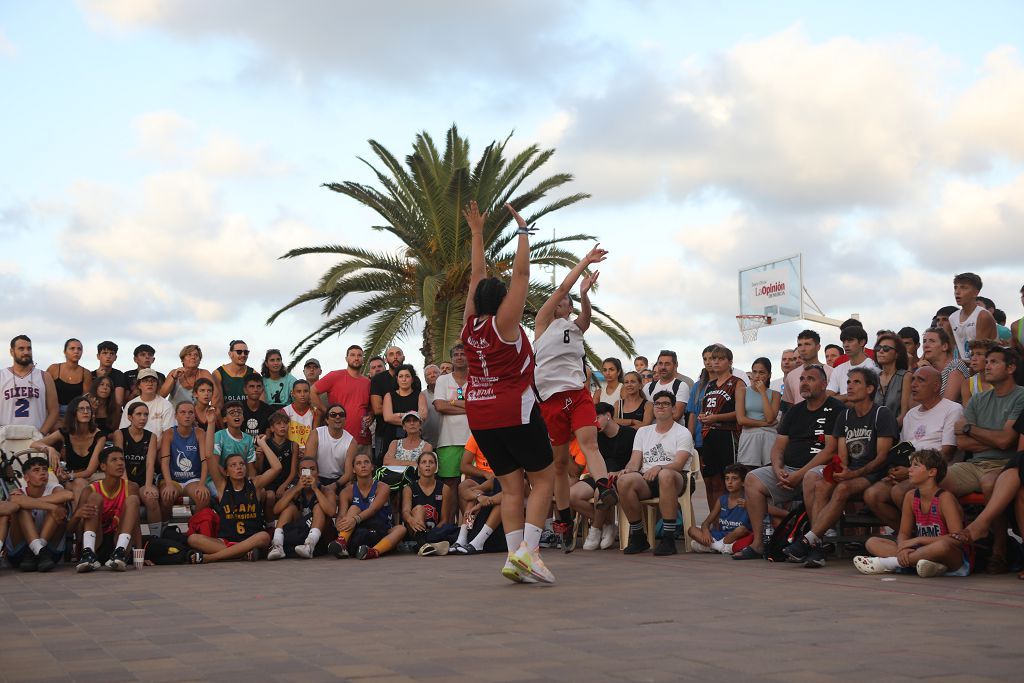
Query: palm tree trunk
[427, 349]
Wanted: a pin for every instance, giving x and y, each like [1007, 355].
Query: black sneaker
[337, 548]
[549, 539]
[253, 555]
[566, 537]
[30, 563]
[815, 558]
[637, 543]
[797, 550]
[87, 562]
[607, 498]
[666, 545]
[46, 562]
[118, 560]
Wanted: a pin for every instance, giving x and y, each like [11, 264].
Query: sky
[160, 155]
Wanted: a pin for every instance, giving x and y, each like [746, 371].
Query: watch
[966, 429]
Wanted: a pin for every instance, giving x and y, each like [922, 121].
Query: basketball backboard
[774, 289]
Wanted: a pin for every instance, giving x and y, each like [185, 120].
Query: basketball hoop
[750, 324]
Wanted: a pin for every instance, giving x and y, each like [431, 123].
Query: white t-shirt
[661, 449]
[682, 394]
[840, 373]
[161, 415]
[933, 428]
[454, 428]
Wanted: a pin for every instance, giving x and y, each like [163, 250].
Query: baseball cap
[147, 373]
[411, 415]
[311, 361]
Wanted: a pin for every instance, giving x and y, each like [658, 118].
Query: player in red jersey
[501, 404]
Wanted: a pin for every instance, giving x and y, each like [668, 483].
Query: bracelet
[527, 229]
[358, 519]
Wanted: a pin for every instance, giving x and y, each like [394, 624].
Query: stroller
[15, 450]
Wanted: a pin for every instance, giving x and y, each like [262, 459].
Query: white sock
[463, 538]
[311, 539]
[278, 537]
[482, 537]
[890, 562]
[123, 540]
[726, 548]
[513, 539]
[531, 534]
[89, 540]
[717, 545]
[812, 538]
[37, 545]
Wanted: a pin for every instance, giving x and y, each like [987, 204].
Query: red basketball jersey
[500, 386]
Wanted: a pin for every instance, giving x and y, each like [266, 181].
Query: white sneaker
[276, 552]
[717, 546]
[513, 573]
[866, 564]
[726, 549]
[927, 569]
[529, 562]
[699, 547]
[593, 541]
[305, 550]
[609, 535]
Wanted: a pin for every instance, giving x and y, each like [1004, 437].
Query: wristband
[527, 229]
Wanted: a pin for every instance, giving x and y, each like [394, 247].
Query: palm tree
[426, 280]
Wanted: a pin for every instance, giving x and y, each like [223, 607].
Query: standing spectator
[311, 370]
[144, 355]
[697, 399]
[382, 384]
[854, 340]
[375, 367]
[1017, 329]
[972, 321]
[277, 382]
[404, 398]
[640, 363]
[832, 353]
[611, 392]
[432, 420]
[351, 390]
[666, 380]
[938, 353]
[757, 413]
[181, 382]
[718, 419]
[69, 378]
[632, 409]
[789, 361]
[229, 379]
[912, 342]
[808, 344]
[446, 367]
[255, 413]
[106, 354]
[976, 383]
[161, 412]
[894, 380]
[1003, 333]
[450, 403]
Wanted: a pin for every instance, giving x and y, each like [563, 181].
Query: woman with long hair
[757, 412]
[937, 351]
[105, 407]
[611, 391]
[277, 381]
[633, 409]
[70, 378]
[894, 380]
[79, 441]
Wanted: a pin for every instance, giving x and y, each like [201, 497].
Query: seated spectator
[757, 413]
[854, 340]
[69, 378]
[615, 443]
[34, 520]
[240, 526]
[183, 463]
[911, 342]
[938, 353]
[305, 509]
[144, 355]
[423, 501]
[207, 412]
[832, 353]
[106, 354]
[661, 453]
[923, 543]
[365, 519]
[108, 513]
[787, 362]
[633, 409]
[405, 452]
[894, 378]
[976, 383]
[805, 442]
[864, 433]
[334, 449]
[928, 425]
[287, 453]
[161, 412]
[105, 407]
[986, 431]
[230, 441]
[479, 479]
[277, 381]
[397, 402]
[728, 524]
[79, 443]
[182, 383]
[139, 446]
[255, 412]
[941, 320]
[611, 391]
[1003, 334]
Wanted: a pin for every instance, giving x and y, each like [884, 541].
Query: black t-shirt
[283, 452]
[861, 433]
[255, 422]
[117, 377]
[382, 384]
[616, 451]
[807, 430]
[399, 405]
[131, 379]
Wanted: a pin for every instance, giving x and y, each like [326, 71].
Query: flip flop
[464, 550]
[747, 553]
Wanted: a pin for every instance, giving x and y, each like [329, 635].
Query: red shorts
[567, 411]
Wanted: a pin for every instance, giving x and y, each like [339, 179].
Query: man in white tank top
[333, 447]
[972, 321]
[27, 394]
[566, 405]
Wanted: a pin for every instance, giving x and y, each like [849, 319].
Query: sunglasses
[241, 352]
[884, 347]
[335, 414]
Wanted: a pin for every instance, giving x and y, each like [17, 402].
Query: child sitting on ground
[727, 527]
[930, 514]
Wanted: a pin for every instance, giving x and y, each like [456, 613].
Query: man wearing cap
[351, 390]
[161, 412]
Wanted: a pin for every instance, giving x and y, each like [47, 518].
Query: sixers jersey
[559, 353]
[22, 399]
[499, 390]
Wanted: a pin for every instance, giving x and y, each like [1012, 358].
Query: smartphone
[307, 472]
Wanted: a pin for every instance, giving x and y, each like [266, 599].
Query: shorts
[779, 495]
[718, 452]
[449, 461]
[654, 488]
[755, 446]
[965, 477]
[567, 411]
[525, 447]
[495, 484]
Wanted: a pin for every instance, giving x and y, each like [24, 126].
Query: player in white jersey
[972, 321]
[27, 394]
[566, 404]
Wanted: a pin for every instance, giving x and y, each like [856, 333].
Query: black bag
[793, 526]
[899, 455]
[170, 548]
[396, 481]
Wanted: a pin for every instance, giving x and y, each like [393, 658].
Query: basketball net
[750, 324]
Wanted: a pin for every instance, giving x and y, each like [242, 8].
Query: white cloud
[985, 122]
[161, 134]
[7, 48]
[225, 155]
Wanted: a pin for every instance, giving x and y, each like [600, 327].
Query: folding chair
[649, 508]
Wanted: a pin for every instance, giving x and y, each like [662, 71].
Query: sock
[668, 528]
[565, 516]
[37, 545]
[531, 534]
[636, 527]
[383, 546]
[278, 537]
[513, 539]
[726, 548]
[344, 536]
[482, 537]
[312, 538]
[123, 540]
[717, 545]
[812, 538]
[890, 562]
[463, 538]
[89, 540]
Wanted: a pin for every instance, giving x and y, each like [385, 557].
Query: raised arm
[583, 319]
[478, 271]
[547, 312]
[510, 312]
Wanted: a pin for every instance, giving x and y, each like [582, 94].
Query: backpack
[652, 385]
[793, 526]
[171, 547]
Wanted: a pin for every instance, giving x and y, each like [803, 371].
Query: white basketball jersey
[559, 356]
[964, 332]
[22, 400]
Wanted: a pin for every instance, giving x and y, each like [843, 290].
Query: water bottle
[767, 530]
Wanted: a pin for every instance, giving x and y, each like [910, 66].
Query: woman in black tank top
[424, 498]
[632, 409]
[402, 400]
[80, 443]
[69, 378]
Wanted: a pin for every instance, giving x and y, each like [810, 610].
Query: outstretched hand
[596, 255]
[520, 221]
[474, 218]
[589, 281]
